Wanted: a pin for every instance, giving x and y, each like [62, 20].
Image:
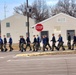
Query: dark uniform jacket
[22, 40]
[5, 40]
[74, 39]
[53, 39]
[60, 39]
[10, 40]
[47, 40]
[69, 38]
[44, 41]
[35, 40]
[1, 41]
[28, 40]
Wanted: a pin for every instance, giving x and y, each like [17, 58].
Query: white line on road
[63, 58]
[8, 60]
[17, 57]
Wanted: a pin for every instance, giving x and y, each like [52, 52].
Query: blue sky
[10, 4]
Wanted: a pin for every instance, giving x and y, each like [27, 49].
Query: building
[58, 24]
[15, 26]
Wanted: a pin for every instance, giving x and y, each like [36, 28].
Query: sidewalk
[39, 53]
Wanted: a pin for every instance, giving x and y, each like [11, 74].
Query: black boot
[6, 50]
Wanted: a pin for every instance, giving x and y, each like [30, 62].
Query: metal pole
[27, 18]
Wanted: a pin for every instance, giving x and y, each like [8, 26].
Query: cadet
[10, 43]
[69, 41]
[22, 42]
[60, 44]
[47, 41]
[53, 43]
[1, 44]
[44, 42]
[5, 43]
[28, 42]
[74, 42]
[38, 42]
[34, 43]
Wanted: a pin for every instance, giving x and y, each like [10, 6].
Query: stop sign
[39, 27]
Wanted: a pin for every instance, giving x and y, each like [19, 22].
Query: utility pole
[27, 18]
[5, 10]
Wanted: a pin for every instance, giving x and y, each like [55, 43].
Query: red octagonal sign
[39, 27]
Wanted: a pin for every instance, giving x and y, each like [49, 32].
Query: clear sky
[10, 4]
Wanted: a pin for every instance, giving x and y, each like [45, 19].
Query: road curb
[45, 53]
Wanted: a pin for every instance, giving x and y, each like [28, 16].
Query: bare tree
[65, 6]
[39, 9]
[21, 9]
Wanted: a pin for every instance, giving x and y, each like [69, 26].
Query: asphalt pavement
[11, 64]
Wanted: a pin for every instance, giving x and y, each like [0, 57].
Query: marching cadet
[22, 42]
[38, 42]
[60, 44]
[44, 42]
[34, 43]
[53, 43]
[5, 43]
[47, 41]
[28, 42]
[10, 43]
[74, 42]
[1, 44]
[69, 41]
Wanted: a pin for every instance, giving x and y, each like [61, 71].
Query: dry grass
[15, 46]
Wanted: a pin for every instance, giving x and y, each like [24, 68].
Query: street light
[27, 18]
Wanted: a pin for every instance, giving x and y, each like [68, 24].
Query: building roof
[64, 14]
[16, 14]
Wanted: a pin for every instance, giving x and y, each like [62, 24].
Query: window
[7, 24]
[8, 34]
[61, 19]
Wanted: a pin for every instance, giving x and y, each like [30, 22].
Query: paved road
[37, 65]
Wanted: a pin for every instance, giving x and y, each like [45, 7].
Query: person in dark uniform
[22, 42]
[5, 43]
[60, 44]
[47, 41]
[28, 42]
[10, 43]
[38, 43]
[69, 41]
[1, 44]
[34, 43]
[53, 43]
[44, 43]
[74, 42]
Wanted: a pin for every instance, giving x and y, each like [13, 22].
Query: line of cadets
[3, 43]
[36, 43]
[45, 40]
